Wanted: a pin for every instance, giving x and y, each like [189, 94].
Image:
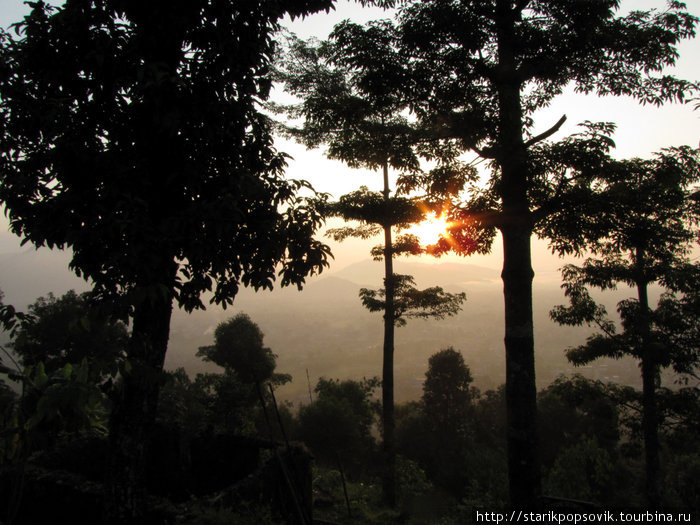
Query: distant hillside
[325, 329]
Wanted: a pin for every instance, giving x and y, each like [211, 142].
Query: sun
[430, 229]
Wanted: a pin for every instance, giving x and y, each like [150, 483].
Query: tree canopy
[643, 233]
[56, 331]
[478, 73]
[127, 136]
[238, 347]
[131, 134]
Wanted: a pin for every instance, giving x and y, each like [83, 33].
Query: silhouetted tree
[131, 134]
[478, 72]
[447, 390]
[350, 103]
[238, 347]
[338, 423]
[68, 329]
[645, 230]
[575, 407]
[411, 302]
[183, 403]
[68, 351]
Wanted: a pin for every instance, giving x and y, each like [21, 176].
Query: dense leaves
[238, 347]
[129, 137]
[479, 74]
[338, 424]
[131, 134]
[69, 329]
[447, 390]
[409, 301]
[642, 236]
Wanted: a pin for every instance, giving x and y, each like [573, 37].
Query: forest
[140, 137]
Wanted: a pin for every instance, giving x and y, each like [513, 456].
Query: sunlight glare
[431, 229]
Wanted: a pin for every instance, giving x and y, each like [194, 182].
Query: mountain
[324, 328]
[448, 275]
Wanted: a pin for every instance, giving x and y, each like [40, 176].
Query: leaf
[67, 371]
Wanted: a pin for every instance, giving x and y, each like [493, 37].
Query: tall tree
[447, 390]
[479, 72]
[238, 349]
[131, 134]
[350, 102]
[645, 228]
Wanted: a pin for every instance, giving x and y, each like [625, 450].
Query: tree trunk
[135, 410]
[650, 374]
[517, 275]
[521, 392]
[388, 422]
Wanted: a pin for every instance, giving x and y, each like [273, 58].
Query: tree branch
[522, 4]
[551, 131]
[487, 153]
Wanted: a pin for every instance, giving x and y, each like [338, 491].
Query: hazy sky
[641, 130]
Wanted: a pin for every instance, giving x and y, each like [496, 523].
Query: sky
[641, 131]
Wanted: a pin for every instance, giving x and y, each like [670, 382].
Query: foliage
[574, 408]
[583, 471]
[642, 236]
[69, 329]
[158, 148]
[477, 73]
[410, 302]
[65, 402]
[183, 403]
[681, 482]
[351, 101]
[438, 431]
[339, 422]
[243, 515]
[447, 391]
[228, 401]
[69, 351]
[131, 134]
[238, 347]
[349, 98]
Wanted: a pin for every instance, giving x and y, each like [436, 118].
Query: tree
[643, 237]
[338, 423]
[68, 329]
[575, 408]
[479, 71]
[447, 391]
[68, 353]
[409, 301]
[238, 347]
[350, 103]
[131, 135]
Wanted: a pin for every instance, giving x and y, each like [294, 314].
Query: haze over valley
[325, 329]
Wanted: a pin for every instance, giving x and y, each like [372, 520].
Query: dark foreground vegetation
[134, 134]
[225, 451]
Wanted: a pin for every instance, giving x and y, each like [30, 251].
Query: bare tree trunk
[135, 410]
[388, 422]
[516, 228]
[650, 375]
[521, 393]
